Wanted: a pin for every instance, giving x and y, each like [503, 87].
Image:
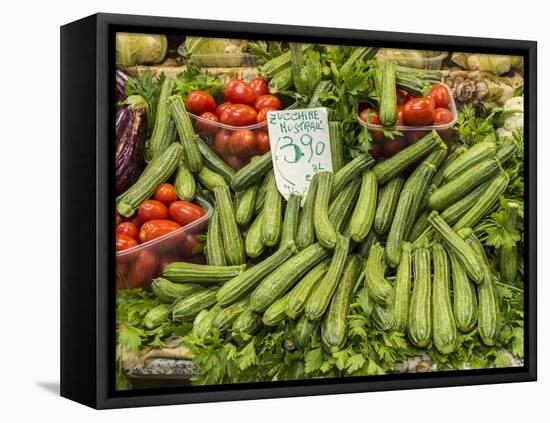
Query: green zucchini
[438, 177]
[342, 206]
[262, 190]
[186, 309]
[298, 296]
[506, 152]
[325, 232]
[378, 286]
[336, 145]
[334, 329]
[184, 272]
[349, 172]
[464, 297]
[303, 331]
[488, 319]
[476, 154]
[246, 204]
[226, 317]
[382, 315]
[202, 325]
[243, 283]
[184, 183]
[156, 173]
[399, 228]
[273, 210]
[445, 334]
[319, 299]
[455, 211]
[290, 221]
[214, 163]
[164, 130]
[168, 292]
[285, 276]
[315, 100]
[187, 136]
[157, 316]
[215, 254]
[247, 322]
[252, 173]
[275, 313]
[368, 242]
[402, 290]
[253, 243]
[396, 164]
[305, 235]
[458, 246]
[508, 254]
[387, 203]
[388, 94]
[454, 190]
[419, 324]
[419, 226]
[363, 212]
[484, 203]
[231, 235]
[210, 179]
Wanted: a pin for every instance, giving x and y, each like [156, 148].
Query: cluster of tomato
[155, 218]
[245, 105]
[414, 112]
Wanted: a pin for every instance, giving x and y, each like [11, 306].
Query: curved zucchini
[326, 234]
[246, 204]
[247, 322]
[243, 283]
[303, 331]
[253, 243]
[334, 329]
[363, 212]
[420, 311]
[168, 292]
[285, 276]
[464, 298]
[187, 136]
[231, 235]
[305, 235]
[387, 203]
[213, 162]
[252, 173]
[445, 335]
[210, 179]
[298, 296]
[202, 325]
[320, 298]
[378, 286]
[402, 290]
[157, 316]
[184, 183]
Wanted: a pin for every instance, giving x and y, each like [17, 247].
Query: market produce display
[411, 245]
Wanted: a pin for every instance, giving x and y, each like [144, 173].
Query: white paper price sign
[300, 147]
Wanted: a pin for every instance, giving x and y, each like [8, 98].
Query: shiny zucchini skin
[365, 208]
[378, 286]
[419, 326]
[445, 334]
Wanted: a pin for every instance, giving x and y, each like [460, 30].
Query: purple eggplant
[121, 77]
[131, 127]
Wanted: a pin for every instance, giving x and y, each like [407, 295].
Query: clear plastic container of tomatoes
[385, 146]
[236, 145]
[137, 266]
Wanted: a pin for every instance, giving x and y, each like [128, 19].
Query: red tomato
[199, 102]
[402, 96]
[400, 119]
[238, 115]
[123, 242]
[152, 210]
[220, 108]
[128, 229]
[184, 212]
[440, 95]
[442, 116]
[419, 111]
[136, 221]
[221, 142]
[157, 228]
[188, 245]
[391, 147]
[262, 114]
[207, 125]
[262, 142]
[239, 92]
[235, 162]
[259, 86]
[142, 270]
[370, 115]
[242, 143]
[166, 193]
[267, 100]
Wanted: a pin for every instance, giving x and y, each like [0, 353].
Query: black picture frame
[87, 181]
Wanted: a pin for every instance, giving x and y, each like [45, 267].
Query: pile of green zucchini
[407, 240]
